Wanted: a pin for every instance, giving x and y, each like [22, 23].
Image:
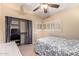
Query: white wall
[1, 25]
[70, 23]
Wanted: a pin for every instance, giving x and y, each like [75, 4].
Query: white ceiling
[51, 11]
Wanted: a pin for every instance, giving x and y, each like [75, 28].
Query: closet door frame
[8, 20]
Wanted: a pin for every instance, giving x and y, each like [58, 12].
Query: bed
[56, 46]
[9, 49]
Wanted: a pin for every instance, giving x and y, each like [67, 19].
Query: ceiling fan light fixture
[44, 6]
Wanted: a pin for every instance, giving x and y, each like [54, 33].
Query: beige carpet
[27, 50]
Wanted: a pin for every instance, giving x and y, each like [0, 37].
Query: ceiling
[51, 11]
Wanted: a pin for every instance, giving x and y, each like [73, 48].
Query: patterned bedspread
[56, 46]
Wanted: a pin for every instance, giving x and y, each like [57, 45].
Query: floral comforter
[56, 46]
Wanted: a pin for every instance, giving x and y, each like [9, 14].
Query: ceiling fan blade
[53, 5]
[36, 8]
[45, 10]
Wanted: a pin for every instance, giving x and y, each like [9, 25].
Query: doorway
[18, 30]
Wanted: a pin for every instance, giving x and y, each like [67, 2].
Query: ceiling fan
[45, 6]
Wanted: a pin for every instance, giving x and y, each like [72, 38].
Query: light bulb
[44, 6]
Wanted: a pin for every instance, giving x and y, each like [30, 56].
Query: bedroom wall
[70, 23]
[1, 24]
[14, 10]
